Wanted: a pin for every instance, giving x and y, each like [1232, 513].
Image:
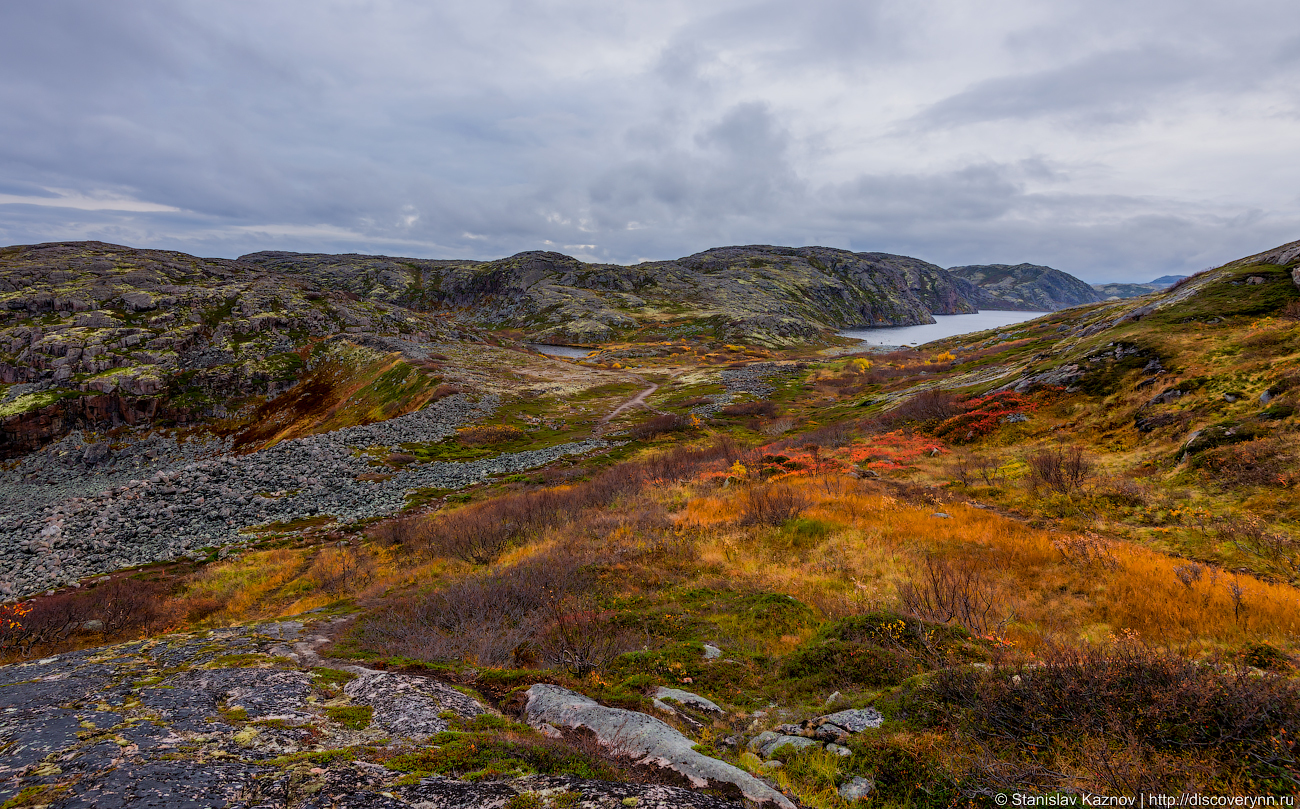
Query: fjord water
[944, 326]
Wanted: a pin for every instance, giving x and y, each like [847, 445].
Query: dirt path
[635, 401]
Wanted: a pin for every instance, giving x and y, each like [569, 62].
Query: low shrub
[1155, 706]
[496, 618]
[121, 607]
[981, 415]
[925, 410]
[489, 434]
[772, 504]
[1261, 462]
[953, 592]
[661, 425]
[1064, 471]
[763, 408]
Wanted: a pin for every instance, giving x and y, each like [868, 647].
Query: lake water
[572, 352]
[945, 326]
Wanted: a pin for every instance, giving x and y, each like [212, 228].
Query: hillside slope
[1024, 287]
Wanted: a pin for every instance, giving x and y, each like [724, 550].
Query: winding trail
[635, 401]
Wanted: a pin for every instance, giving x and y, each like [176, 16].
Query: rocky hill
[98, 336]
[1024, 287]
[760, 294]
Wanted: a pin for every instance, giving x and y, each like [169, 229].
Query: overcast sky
[1111, 139]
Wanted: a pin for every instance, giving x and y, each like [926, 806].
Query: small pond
[572, 352]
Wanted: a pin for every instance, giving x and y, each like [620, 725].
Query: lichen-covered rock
[854, 720]
[644, 739]
[409, 706]
[688, 699]
[174, 722]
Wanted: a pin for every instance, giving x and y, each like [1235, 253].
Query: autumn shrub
[762, 408]
[1262, 462]
[926, 410]
[489, 434]
[952, 591]
[122, 607]
[338, 570]
[490, 619]
[443, 391]
[475, 533]
[833, 436]
[479, 532]
[1153, 706]
[664, 424]
[772, 504]
[1064, 471]
[580, 638]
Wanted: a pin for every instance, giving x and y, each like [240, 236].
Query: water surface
[945, 326]
[572, 352]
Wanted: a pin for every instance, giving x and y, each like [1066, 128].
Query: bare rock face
[643, 738]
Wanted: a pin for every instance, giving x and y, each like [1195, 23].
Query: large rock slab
[643, 738]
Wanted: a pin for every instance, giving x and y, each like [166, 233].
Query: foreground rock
[644, 739]
[233, 718]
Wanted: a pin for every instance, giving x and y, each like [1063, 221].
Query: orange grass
[1042, 593]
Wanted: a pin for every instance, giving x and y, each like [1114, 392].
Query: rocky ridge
[1024, 287]
[758, 293]
[95, 336]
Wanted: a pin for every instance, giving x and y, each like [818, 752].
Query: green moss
[481, 756]
[356, 717]
[35, 401]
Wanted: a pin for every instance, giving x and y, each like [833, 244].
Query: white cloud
[1109, 138]
[82, 202]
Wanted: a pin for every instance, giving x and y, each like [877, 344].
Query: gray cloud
[1112, 140]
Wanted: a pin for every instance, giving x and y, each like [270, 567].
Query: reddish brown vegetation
[1159, 720]
[121, 607]
[489, 434]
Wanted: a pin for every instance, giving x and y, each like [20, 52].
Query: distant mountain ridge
[1120, 291]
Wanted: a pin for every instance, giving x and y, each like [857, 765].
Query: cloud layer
[1115, 142]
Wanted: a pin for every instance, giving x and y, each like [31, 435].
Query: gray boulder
[689, 700]
[768, 742]
[857, 788]
[854, 720]
[643, 738]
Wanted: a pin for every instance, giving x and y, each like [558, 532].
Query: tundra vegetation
[1060, 557]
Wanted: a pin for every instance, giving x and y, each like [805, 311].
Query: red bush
[982, 416]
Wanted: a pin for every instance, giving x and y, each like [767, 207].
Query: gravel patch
[63, 518]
